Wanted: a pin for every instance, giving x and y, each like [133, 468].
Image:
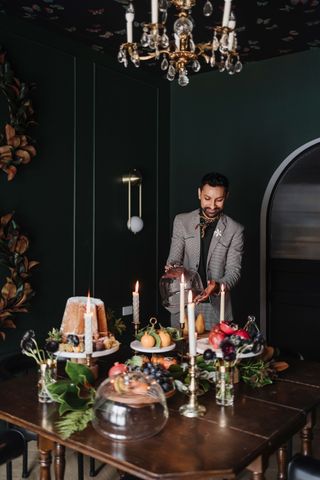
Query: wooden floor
[109, 473]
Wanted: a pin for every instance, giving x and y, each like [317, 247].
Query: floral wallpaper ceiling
[265, 28]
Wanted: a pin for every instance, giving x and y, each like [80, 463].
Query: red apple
[215, 337]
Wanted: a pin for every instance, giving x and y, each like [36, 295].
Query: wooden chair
[303, 467]
[12, 445]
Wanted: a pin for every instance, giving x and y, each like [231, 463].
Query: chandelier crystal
[181, 53]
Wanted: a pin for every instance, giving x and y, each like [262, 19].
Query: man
[211, 243]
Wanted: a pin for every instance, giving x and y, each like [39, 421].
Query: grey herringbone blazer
[224, 255]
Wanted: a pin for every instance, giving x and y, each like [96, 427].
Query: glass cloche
[170, 287]
[130, 406]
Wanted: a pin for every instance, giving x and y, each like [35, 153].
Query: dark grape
[159, 374]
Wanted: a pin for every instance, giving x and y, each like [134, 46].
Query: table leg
[282, 458]
[306, 434]
[45, 447]
[258, 468]
[59, 461]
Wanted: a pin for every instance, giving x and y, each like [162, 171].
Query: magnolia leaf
[6, 218]
[8, 323]
[79, 373]
[32, 264]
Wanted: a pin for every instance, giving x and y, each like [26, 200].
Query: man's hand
[213, 287]
[173, 271]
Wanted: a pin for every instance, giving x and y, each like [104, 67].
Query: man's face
[212, 200]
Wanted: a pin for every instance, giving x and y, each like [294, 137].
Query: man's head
[212, 193]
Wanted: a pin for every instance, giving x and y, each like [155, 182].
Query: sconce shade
[135, 224]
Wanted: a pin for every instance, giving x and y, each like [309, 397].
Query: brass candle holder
[89, 359]
[192, 408]
[136, 328]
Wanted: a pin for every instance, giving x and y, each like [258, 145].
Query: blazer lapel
[217, 235]
[193, 233]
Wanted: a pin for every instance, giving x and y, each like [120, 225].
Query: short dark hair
[215, 179]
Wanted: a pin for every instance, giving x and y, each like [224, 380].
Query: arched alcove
[290, 253]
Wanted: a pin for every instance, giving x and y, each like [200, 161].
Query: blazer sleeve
[177, 247]
[234, 259]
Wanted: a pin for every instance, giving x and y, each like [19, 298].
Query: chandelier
[181, 53]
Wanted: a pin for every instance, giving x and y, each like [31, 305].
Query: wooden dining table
[221, 444]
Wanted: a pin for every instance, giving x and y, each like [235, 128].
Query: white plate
[136, 345]
[100, 353]
[203, 344]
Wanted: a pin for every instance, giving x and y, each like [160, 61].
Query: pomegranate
[228, 328]
[215, 337]
[117, 368]
[242, 334]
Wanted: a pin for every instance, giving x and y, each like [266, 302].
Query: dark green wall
[243, 126]
[96, 122]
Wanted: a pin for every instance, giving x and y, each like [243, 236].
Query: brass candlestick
[192, 408]
[181, 343]
[89, 359]
[136, 328]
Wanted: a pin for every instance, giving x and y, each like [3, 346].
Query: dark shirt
[204, 248]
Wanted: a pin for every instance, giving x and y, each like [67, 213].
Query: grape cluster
[158, 373]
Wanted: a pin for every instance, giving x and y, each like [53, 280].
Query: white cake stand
[203, 344]
[136, 345]
[97, 354]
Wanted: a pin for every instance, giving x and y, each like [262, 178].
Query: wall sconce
[133, 179]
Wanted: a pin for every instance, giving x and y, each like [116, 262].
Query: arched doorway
[290, 254]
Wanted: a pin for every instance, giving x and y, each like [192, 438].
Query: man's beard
[212, 213]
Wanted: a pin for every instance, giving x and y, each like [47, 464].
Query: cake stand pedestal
[82, 357]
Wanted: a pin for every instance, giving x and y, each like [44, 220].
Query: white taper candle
[154, 11]
[182, 285]
[135, 304]
[130, 18]
[88, 328]
[222, 302]
[226, 13]
[191, 326]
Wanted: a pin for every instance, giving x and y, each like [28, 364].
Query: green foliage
[115, 325]
[206, 375]
[256, 373]
[75, 422]
[152, 329]
[76, 397]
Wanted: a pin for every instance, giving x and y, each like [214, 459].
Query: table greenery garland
[17, 291]
[16, 147]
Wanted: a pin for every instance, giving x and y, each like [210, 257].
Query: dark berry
[208, 354]
[52, 346]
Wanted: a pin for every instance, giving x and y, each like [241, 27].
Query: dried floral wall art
[16, 292]
[16, 146]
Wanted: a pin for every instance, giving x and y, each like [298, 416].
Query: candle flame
[190, 296]
[88, 303]
[137, 287]
[222, 288]
[182, 278]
